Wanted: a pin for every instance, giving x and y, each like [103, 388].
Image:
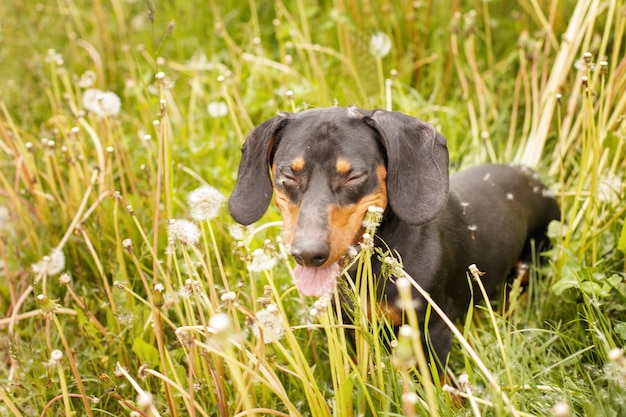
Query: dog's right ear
[253, 189]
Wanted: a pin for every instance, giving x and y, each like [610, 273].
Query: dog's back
[502, 207]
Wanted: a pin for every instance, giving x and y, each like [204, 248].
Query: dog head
[325, 167]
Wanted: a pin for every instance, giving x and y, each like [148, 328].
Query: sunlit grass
[124, 294]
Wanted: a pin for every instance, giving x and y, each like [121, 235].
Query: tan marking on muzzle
[346, 222]
[290, 213]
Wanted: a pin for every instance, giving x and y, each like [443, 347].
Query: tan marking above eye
[342, 166]
[297, 164]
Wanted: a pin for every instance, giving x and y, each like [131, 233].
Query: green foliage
[113, 302]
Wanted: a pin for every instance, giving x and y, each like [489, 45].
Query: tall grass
[124, 294]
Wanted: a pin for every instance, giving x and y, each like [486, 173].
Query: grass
[114, 303]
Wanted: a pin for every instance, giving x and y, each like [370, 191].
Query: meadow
[126, 288]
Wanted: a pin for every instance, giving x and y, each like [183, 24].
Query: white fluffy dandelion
[52, 264]
[183, 232]
[5, 219]
[380, 44]
[205, 202]
[217, 109]
[238, 232]
[261, 261]
[610, 189]
[87, 79]
[268, 324]
[101, 103]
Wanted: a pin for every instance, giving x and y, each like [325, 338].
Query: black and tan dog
[327, 166]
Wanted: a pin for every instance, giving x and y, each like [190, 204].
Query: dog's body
[330, 165]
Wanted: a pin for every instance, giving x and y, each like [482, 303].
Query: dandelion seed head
[229, 297]
[380, 44]
[87, 79]
[220, 323]
[403, 284]
[217, 109]
[410, 398]
[52, 264]
[5, 219]
[261, 261]
[238, 231]
[101, 103]
[55, 357]
[610, 189]
[205, 203]
[145, 400]
[183, 232]
[561, 409]
[616, 354]
[65, 278]
[268, 324]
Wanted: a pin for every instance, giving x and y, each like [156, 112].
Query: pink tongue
[316, 282]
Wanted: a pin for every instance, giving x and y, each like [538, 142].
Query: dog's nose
[311, 253]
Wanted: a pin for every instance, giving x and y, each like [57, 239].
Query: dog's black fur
[330, 164]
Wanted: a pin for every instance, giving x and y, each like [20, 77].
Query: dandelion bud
[587, 57]
[46, 304]
[159, 75]
[403, 355]
[119, 285]
[157, 294]
[289, 94]
[559, 98]
[604, 67]
[584, 81]
[476, 273]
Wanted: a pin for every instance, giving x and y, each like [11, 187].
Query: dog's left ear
[417, 165]
[253, 190]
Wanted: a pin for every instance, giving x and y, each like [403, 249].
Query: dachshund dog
[326, 167]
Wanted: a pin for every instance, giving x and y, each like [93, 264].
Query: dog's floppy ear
[253, 189]
[417, 165]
